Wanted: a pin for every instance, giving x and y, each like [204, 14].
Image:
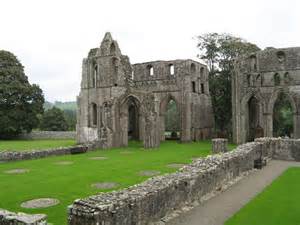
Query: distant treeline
[68, 109]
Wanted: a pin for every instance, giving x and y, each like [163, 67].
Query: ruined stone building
[258, 81]
[119, 101]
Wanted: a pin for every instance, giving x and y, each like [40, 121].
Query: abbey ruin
[257, 82]
[119, 101]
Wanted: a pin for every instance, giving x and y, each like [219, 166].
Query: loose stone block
[219, 145]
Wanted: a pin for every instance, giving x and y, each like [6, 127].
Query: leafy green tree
[20, 102]
[53, 120]
[71, 119]
[219, 51]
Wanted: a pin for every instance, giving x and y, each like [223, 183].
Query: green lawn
[69, 182]
[25, 145]
[278, 204]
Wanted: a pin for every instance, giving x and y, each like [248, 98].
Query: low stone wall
[282, 149]
[157, 197]
[38, 135]
[11, 218]
[35, 154]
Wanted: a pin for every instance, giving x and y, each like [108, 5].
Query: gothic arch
[112, 49]
[271, 105]
[255, 94]
[164, 103]
[162, 112]
[246, 115]
[274, 97]
[130, 123]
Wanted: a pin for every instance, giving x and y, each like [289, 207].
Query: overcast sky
[51, 37]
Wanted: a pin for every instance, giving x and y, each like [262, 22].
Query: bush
[53, 120]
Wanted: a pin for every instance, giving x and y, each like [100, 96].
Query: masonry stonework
[12, 218]
[219, 145]
[119, 101]
[257, 82]
[156, 198]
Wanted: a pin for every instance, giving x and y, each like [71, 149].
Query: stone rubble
[11, 218]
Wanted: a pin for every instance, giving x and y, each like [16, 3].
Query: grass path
[278, 204]
[69, 182]
[27, 145]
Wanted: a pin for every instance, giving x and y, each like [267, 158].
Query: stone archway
[289, 97]
[164, 104]
[130, 119]
[253, 117]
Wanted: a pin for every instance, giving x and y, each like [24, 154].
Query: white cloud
[51, 37]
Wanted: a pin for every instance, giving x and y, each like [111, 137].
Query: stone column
[296, 124]
[219, 145]
[269, 125]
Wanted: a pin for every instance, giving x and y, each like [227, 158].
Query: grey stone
[35, 154]
[105, 185]
[149, 173]
[257, 81]
[158, 197]
[40, 203]
[11, 218]
[42, 135]
[219, 145]
[120, 101]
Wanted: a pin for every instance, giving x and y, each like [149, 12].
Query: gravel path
[218, 209]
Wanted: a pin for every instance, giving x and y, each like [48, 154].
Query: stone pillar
[11, 218]
[219, 145]
[296, 124]
[269, 131]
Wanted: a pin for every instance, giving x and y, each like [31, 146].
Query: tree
[53, 120]
[20, 102]
[70, 116]
[219, 51]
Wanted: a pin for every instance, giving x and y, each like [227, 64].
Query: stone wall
[157, 197]
[11, 218]
[257, 82]
[282, 149]
[118, 100]
[35, 154]
[39, 135]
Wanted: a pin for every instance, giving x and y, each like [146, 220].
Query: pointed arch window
[171, 69]
[95, 76]
[193, 68]
[202, 72]
[112, 49]
[150, 70]
[94, 115]
[253, 63]
[276, 79]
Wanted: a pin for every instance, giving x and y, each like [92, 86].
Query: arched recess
[252, 117]
[130, 119]
[115, 67]
[94, 115]
[170, 118]
[271, 106]
[112, 49]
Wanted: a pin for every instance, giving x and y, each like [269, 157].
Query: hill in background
[61, 105]
[69, 109]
